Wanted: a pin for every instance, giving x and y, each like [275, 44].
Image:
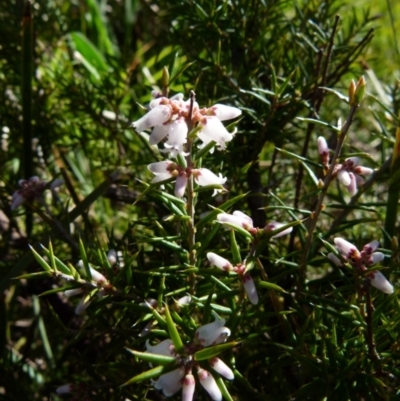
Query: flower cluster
[182, 378]
[349, 173]
[241, 220]
[97, 280]
[169, 119]
[167, 169]
[31, 189]
[361, 261]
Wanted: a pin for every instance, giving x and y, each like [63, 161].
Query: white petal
[380, 282]
[180, 186]
[222, 368]
[243, 216]
[219, 261]
[205, 177]
[224, 112]
[165, 347]
[188, 388]
[344, 177]
[157, 116]
[250, 288]
[237, 218]
[208, 382]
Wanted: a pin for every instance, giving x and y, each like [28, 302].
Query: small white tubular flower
[158, 134]
[180, 185]
[274, 225]
[208, 382]
[185, 300]
[213, 130]
[156, 116]
[344, 177]
[224, 112]
[64, 389]
[97, 277]
[346, 248]
[379, 281]
[188, 387]
[163, 170]
[170, 382]
[74, 291]
[350, 174]
[219, 261]
[352, 187]
[222, 368]
[177, 136]
[332, 257]
[83, 304]
[212, 333]
[165, 348]
[17, 200]
[238, 218]
[112, 256]
[323, 149]
[250, 288]
[204, 177]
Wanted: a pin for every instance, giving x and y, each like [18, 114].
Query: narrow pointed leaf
[215, 350]
[153, 358]
[149, 374]
[173, 332]
[40, 260]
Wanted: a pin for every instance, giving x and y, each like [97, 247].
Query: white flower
[274, 225]
[188, 387]
[247, 281]
[362, 260]
[219, 261]
[237, 218]
[350, 174]
[212, 333]
[222, 368]
[156, 116]
[250, 288]
[64, 389]
[170, 382]
[208, 382]
[165, 347]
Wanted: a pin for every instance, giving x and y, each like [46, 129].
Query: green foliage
[287, 65]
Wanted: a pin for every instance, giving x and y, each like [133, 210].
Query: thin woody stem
[319, 207]
[372, 352]
[191, 197]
